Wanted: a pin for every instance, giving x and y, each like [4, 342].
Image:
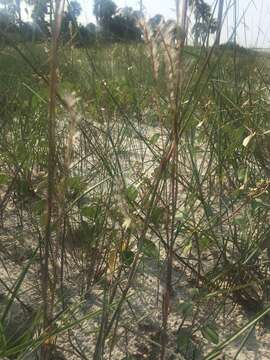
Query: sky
[253, 29]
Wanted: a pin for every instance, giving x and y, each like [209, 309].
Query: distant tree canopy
[116, 24]
[104, 10]
[10, 20]
[123, 25]
[204, 22]
[12, 9]
[39, 14]
[39, 28]
[156, 20]
[113, 24]
[69, 21]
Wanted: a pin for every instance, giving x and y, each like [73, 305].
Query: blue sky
[254, 29]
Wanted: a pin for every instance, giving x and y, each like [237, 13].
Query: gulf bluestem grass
[171, 167]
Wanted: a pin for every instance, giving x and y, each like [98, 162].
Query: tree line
[112, 23]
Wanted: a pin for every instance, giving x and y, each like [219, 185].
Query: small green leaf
[75, 183]
[22, 187]
[89, 212]
[149, 248]
[166, 173]
[241, 174]
[210, 334]
[4, 179]
[185, 308]
[154, 139]
[157, 215]
[183, 342]
[131, 193]
[127, 257]
[40, 206]
[83, 235]
[186, 346]
[194, 292]
[241, 221]
[204, 243]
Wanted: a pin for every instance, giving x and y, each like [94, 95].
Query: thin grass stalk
[184, 17]
[219, 21]
[47, 295]
[62, 203]
[153, 195]
[177, 78]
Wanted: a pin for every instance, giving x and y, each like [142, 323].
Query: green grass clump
[126, 162]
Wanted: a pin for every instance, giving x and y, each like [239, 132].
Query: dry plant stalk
[48, 283]
[169, 37]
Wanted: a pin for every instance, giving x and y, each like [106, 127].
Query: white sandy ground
[141, 320]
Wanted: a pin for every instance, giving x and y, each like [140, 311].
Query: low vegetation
[134, 196]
